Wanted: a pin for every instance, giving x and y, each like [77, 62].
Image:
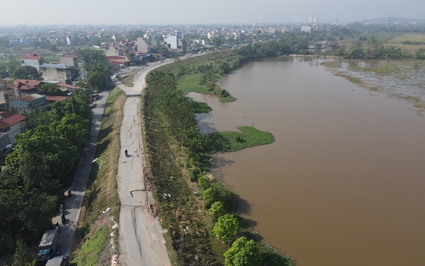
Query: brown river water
[344, 182]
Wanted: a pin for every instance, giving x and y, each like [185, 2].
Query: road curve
[141, 238]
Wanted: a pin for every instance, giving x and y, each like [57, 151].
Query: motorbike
[67, 193]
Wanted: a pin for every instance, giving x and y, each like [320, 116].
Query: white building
[56, 72]
[172, 41]
[32, 59]
[306, 29]
[142, 45]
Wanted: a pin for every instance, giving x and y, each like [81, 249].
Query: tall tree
[51, 89]
[242, 253]
[226, 228]
[27, 72]
[97, 80]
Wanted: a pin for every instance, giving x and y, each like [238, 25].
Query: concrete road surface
[78, 187]
[141, 236]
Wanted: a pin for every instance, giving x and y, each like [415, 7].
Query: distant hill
[396, 20]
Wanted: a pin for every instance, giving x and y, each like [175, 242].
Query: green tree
[12, 65]
[210, 195]
[217, 41]
[50, 89]
[216, 210]
[23, 255]
[26, 72]
[163, 50]
[93, 59]
[73, 128]
[75, 73]
[39, 117]
[242, 253]
[97, 80]
[3, 71]
[133, 35]
[226, 228]
[131, 56]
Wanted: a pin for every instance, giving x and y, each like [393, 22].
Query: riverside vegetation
[180, 156]
[198, 211]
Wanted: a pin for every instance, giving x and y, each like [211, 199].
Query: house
[172, 41]
[69, 60]
[52, 99]
[141, 45]
[25, 86]
[23, 104]
[12, 124]
[32, 59]
[7, 93]
[56, 72]
[118, 61]
[67, 88]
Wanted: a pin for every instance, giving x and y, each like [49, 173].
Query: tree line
[40, 167]
[179, 157]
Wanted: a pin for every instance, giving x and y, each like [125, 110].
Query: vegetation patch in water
[201, 108]
[229, 141]
[350, 78]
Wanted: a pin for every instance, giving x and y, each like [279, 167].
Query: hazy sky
[60, 12]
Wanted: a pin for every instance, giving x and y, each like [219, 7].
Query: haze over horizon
[165, 12]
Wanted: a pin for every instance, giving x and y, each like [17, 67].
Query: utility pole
[72, 105]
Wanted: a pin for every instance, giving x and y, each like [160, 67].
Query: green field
[51, 58]
[190, 83]
[411, 42]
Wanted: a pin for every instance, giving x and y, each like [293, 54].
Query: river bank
[343, 173]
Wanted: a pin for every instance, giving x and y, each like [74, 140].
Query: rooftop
[34, 56]
[54, 66]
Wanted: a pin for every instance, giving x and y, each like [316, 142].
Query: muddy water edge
[344, 182]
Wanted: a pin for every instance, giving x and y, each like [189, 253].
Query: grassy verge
[229, 141]
[128, 80]
[190, 83]
[101, 192]
[90, 250]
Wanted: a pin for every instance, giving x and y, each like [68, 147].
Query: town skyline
[161, 12]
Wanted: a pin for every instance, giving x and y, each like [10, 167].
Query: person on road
[126, 153]
[57, 226]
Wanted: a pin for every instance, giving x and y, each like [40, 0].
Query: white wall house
[32, 59]
[172, 40]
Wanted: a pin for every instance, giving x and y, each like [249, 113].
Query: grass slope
[101, 192]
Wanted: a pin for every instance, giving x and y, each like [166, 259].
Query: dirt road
[141, 236]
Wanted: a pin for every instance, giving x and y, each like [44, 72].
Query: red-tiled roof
[27, 88]
[14, 119]
[3, 125]
[66, 86]
[26, 82]
[115, 57]
[26, 98]
[34, 56]
[6, 114]
[55, 98]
